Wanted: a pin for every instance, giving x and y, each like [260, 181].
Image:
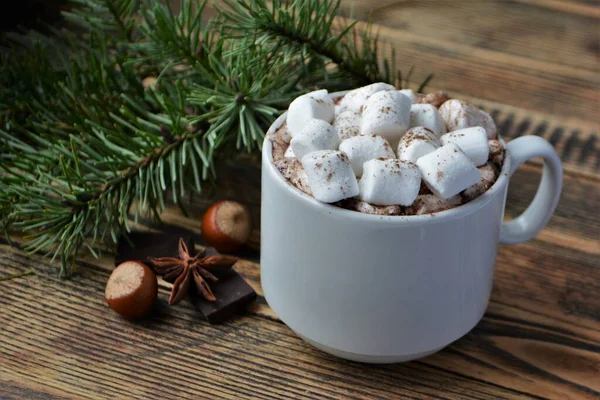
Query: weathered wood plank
[72, 343]
[589, 8]
[542, 301]
[528, 29]
[573, 139]
[547, 64]
[540, 337]
[495, 76]
[574, 214]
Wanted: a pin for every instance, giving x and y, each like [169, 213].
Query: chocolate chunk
[232, 293]
[231, 290]
[148, 244]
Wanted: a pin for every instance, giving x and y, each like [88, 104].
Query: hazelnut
[131, 289]
[227, 225]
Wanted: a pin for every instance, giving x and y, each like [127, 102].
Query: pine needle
[30, 271]
[83, 141]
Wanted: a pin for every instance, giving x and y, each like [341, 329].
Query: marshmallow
[330, 176]
[448, 171]
[416, 143]
[488, 177]
[364, 207]
[347, 124]
[428, 116]
[411, 94]
[289, 153]
[436, 99]
[459, 115]
[292, 170]
[315, 104]
[386, 113]
[338, 109]
[316, 135]
[496, 151]
[355, 99]
[429, 203]
[360, 149]
[473, 141]
[387, 182]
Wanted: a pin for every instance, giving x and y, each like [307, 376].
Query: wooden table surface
[534, 65]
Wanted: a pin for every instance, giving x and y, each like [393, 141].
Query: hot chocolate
[383, 151]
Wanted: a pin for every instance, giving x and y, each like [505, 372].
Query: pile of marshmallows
[347, 150]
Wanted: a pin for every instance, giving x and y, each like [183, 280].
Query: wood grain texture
[581, 7]
[525, 53]
[70, 344]
[526, 29]
[576, 141]
[540, 337]
[533, 65]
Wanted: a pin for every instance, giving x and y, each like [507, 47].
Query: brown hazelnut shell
[215, 237]
[137, 302]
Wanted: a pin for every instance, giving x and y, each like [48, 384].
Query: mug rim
[452, 213]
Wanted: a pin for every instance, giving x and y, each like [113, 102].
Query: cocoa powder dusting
[426, 203]
[436, 99]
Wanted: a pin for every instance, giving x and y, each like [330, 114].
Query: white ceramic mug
[385, 289]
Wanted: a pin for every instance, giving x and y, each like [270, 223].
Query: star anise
[185, 269]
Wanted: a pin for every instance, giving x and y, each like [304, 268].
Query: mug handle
[537, 215]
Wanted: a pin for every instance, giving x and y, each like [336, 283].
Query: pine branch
[112, 17]
[174, 39]
[88, 144]
[84, 145]
[307, 30]
[248, 94]
[86, 197]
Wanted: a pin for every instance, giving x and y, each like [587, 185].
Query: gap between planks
[568, 6]
[444, 362]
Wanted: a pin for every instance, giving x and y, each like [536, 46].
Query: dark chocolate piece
[231, 290]
[232, 293]
[148, 244]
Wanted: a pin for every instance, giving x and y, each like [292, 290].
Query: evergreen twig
[85, 146]
[308, 30]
